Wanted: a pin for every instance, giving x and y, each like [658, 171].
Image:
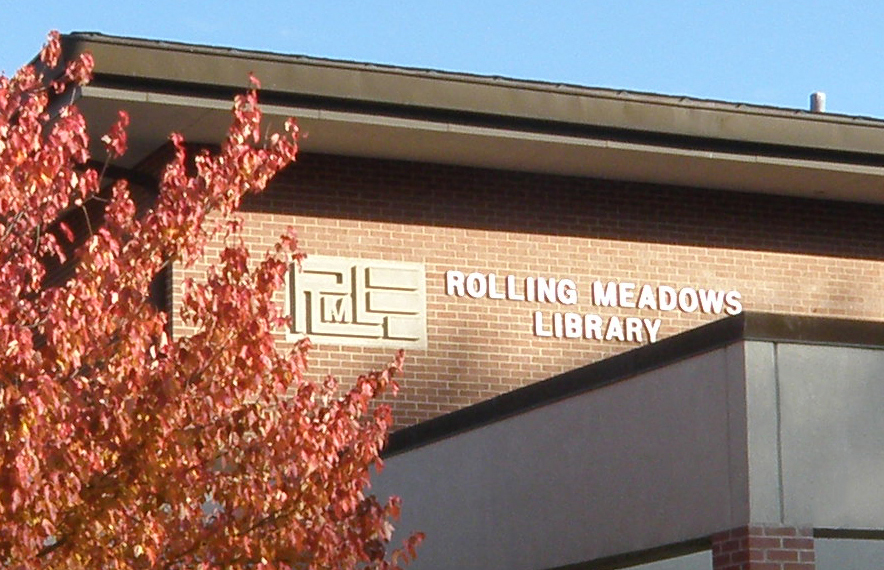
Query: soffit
[154, 115]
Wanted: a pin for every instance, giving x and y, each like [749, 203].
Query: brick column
[764, 547]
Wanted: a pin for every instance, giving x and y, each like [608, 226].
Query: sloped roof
[424, 115]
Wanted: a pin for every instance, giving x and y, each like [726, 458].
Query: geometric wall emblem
[359, 302]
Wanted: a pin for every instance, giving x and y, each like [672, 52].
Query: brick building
[609, 300]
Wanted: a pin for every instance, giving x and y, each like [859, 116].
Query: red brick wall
[758, 547]
[783, 255]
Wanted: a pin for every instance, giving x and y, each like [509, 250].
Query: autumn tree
[121, 447]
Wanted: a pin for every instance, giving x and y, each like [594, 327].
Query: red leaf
[66, 230]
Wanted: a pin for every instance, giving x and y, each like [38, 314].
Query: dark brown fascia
[531, 106]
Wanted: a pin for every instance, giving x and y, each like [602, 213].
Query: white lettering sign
[614, 294]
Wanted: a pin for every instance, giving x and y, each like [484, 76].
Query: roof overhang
[403, 114]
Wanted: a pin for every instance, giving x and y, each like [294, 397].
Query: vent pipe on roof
[818, 102]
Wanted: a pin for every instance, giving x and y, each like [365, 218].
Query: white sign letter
[604, 294]
[653, 327]
[454, 283]
[476, 285]
[566, 292]
[734, 306]
[538, 325]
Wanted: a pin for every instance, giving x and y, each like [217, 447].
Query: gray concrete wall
[695, 561]
[816, 435]
[831, 402]
[657, 459]
[849, 554]
[763, 433]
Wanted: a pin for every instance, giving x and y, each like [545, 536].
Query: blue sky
[769, 52]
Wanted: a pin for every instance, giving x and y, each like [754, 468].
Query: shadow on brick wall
[450, 196]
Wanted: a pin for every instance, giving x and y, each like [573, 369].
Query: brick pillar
[764, 547]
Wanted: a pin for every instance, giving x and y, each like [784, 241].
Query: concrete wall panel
[762, 420]
[645, 462]
[832, 430]
[849, 554]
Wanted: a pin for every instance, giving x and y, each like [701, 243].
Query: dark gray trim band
[631, 559]
[847, 533]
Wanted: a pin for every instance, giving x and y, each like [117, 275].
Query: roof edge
[162, 62]
[78, 37]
